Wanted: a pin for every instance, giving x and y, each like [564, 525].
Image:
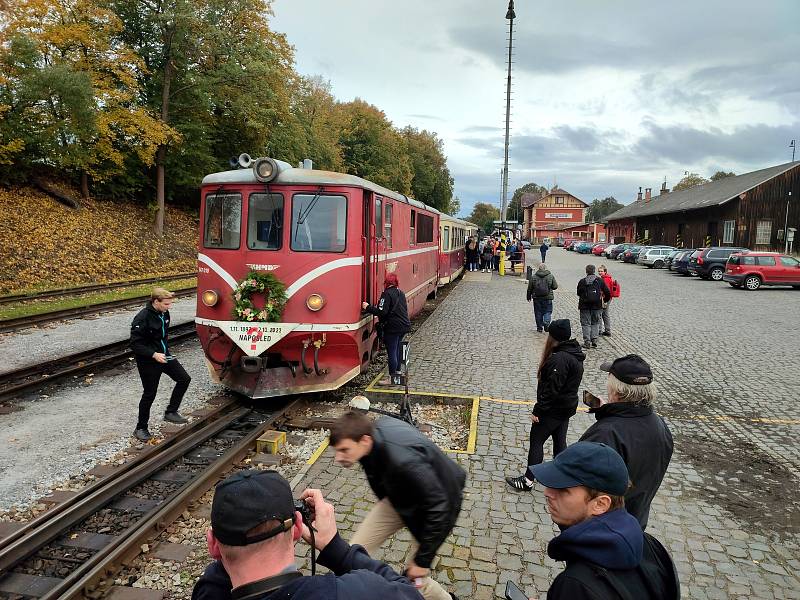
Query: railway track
[74, 549]
[33, 377]
[74, 291]
[7, 325]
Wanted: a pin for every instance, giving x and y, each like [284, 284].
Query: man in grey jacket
[540, 290]
[592, 292]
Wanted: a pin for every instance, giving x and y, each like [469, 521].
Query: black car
[614, 254]
[671, 257]
[709, 263]
[680, 264]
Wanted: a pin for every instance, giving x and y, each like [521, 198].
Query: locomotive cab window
[223, 221]
[265, 221]
[378, 217]
[319, 223]
[424, 228]
[387, 224]
[412, 235]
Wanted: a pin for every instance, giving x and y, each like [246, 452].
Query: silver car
[655, 256]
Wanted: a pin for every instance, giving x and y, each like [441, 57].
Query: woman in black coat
[560, 374]
[392, 312]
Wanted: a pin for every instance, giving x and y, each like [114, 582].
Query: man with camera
[628, 423]
[417, 486]
[607, 554]
[255, 525]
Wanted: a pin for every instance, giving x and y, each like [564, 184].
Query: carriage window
[446, 239]
[265, 221]
[319, 223]
[412, 236]
[387, 225]
[223, 221]
[424, 229]
[378, 217]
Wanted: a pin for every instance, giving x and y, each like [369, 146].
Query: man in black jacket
[592, 292]
[416, 485]
[628, 423]
[254, 529]
[607, 554]
[149, 342]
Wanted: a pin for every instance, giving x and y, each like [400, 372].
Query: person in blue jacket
[254, 529]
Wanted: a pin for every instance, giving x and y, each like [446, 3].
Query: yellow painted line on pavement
[318, 452]
[473, 429]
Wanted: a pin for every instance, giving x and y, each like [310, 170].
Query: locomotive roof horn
[244, 161]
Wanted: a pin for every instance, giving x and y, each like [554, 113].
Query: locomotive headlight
[315, 302]
[210, 297]
[265, 169]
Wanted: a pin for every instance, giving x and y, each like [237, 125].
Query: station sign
[254, 338]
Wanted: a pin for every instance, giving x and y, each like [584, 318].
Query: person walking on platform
[543, 250]
[496, 257]
[472, 255]
[613, 286]
[150, 345]
[254, 530]
[607, 555]
[592, 292]
[392, 313]
[417, 486]
[486, 256]
[629, 424]
[559, 377]
[540, 290]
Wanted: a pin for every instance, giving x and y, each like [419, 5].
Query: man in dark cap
[254, 528]
[607, 554]
[628, 423]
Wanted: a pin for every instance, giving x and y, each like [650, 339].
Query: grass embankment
[46, 245]
[36, 307]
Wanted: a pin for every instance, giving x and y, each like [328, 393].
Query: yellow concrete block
[271, 441]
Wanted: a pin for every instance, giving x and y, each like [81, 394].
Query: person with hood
[392, 313]
[613, 287]
[486, 256]
[560, 374]
[471, 251]
[628, 423]
[418, 486]
[150, 345]
[540, 290]
[607, 555]
[254, 529]
[592, 292]
[543, 250]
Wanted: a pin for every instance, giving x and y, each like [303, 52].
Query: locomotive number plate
[254, 338]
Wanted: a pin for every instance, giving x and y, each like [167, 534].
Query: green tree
[599, 209]
[431, 181]
[483, 215]
[315, 109]
[722, 175]
[691, 180]
[454, 207]
[515, 206]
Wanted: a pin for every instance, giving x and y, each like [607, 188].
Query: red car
[754, 269]
[597, 249]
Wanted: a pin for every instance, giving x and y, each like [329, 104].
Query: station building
[748, 211]
[545, 215]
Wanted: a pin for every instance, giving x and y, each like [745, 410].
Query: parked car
[618, 249]
[681, 262]
[709, 263]
[598, 249]
[608, 249]
[754, 269]
[654, 256]
[630, 255]
[671, 256]
[583, 247]
[526, 244]
[570, 244]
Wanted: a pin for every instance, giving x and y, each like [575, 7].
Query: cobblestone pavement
[725, 362]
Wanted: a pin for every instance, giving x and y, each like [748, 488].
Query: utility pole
[510, 16]
[786, 225]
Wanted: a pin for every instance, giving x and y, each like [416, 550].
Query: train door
[378, 245]
[367, 269]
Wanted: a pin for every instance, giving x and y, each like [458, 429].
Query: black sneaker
[547, 327]
[174, 417]
[587, 345]
[142, 435]
[606, 333]
[518, 483]
[594, 344]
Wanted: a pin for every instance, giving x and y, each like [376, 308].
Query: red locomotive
[330, 238]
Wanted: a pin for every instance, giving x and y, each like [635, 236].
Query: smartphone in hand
[513, 592]
[590, 400]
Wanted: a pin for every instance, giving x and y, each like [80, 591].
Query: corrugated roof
[713, 193]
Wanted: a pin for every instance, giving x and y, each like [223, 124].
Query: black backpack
[540, 287]
[591, 293]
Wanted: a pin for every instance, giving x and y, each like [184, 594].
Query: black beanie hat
[560, 329]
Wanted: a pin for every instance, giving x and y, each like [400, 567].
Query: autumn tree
[316, 110]
[599, 209]
[484, 215]
[431, 181]
[515, 206]
[722, 175]
[691, 180]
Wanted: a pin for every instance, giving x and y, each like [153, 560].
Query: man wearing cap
[254, 528]
[607, 554]
[628, 423]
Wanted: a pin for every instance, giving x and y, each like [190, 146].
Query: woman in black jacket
[392, 312]
[560, 374]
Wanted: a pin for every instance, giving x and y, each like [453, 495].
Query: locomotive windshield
[265, 221]
[223, 220]
[319, 223]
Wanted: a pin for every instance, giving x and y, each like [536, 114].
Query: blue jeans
[393, 351]
[542, 310]
[543, 254]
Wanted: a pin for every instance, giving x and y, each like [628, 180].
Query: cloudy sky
[607, 96]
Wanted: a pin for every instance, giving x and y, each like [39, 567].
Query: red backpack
[616, 290]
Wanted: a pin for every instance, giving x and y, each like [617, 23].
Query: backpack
[591, 293]
[616, 290]
[540, 287]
